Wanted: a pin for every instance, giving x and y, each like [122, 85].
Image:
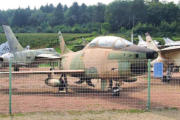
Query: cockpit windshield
[109, 42]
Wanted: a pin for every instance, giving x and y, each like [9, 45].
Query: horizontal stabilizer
[47, 57]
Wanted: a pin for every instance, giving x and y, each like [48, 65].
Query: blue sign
[158, 69]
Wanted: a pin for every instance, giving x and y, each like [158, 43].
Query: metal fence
[29, 92]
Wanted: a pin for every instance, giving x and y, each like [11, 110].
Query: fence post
[149, 85]
[10, 87]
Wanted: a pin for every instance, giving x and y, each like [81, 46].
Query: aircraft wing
[46, 72]
[170, 49]
[47, 57]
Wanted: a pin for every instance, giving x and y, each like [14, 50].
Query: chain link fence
[93, 88]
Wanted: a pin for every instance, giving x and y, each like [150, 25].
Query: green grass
[75, 112]
[42, 40]
[96, 115]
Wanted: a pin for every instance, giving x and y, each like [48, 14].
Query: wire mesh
[31, 92]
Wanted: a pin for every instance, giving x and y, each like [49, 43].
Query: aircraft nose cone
[151, 54]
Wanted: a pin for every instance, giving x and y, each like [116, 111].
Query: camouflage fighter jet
[169, 56]
[25, 57]
[108, 58]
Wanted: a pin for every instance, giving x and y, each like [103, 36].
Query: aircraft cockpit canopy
[109, 42]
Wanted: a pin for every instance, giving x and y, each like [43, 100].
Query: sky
[14, 4]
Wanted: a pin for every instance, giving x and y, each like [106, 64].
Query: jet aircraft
[142, 43]
[169, 42]
[4, 48]
[109, 58]
[25, 57]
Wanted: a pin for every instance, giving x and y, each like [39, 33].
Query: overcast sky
[14, 4]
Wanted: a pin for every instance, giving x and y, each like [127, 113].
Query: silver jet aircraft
[25, 57]
[169, 42]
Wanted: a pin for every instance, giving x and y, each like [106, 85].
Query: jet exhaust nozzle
[151, 55]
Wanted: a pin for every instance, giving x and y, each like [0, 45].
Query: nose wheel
[116, 90]
[64, 84]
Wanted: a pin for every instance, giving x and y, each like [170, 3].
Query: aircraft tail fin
[150, 43]
[14, 45]
[63, 46]
[168, 41]
[141, 42]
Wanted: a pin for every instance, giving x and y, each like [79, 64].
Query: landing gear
[52, 64]
[168, 75]
[176, 69]
[166, 78]
[87, 80]
[116, 89]
[16, 68]
[110, 84]
[63, 83]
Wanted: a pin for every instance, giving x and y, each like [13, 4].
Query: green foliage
[105, 28]
[157, 18]
[42, 40]
[143, 28]
[58, 17]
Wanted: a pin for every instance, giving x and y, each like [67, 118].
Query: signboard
[158, 69]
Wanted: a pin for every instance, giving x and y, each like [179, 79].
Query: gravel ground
[30, 94]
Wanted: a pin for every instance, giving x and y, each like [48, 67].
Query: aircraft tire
[176, 69]
[166, 79]
[16, 68]
[115, 91]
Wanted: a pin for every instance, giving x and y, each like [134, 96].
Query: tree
[83, 17]
[138, 12]
[118, 14]
[47, 8]
[72, 16]
[21, 17]
[158, 12]
[58, 16]
[3, 18]
[37, 17]
[99, 13]
[105, 28]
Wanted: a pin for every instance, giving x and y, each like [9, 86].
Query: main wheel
[16, 68]
[115, 91]
[166, 79]
[176, 69]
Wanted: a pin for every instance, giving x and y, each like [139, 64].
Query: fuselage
[109, 63]
[26, 57]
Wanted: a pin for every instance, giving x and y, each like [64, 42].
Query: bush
[143, 28]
